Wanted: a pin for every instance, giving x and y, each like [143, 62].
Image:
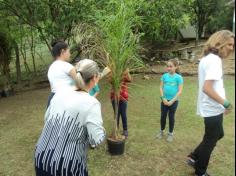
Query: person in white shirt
[73, 122]
[61, 74]
[212, 102]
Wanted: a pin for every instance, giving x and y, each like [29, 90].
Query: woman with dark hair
[73, 122]
[212, 102]
[61, 73]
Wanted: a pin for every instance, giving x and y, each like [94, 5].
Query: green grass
[21, 121]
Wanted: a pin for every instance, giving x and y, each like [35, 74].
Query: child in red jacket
[123, 100]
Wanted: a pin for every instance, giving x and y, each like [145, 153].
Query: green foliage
[206, 11]
[120, 44]
[5, 58]
[162, 19]
[120, 41]
[222, 20]
[52, 19]
[5, 48]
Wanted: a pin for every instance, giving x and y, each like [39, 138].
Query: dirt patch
[189, 67]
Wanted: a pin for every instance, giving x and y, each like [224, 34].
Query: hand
[170, 103]
[165, 102]
[228, 110]
[105, 71]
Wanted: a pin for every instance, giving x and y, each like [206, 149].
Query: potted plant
[120, 45]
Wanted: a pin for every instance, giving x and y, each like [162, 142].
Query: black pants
[170, 110]
[213, 132]
[121, 112]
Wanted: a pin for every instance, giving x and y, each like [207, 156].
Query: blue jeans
[170, 110]
[121, 112]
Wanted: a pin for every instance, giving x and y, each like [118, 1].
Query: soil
[190, 68]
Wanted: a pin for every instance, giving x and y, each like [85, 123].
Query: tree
[5, 58]
[203, 10]
[222, 19]
[120, 44]
[53, 19]
[162, 19]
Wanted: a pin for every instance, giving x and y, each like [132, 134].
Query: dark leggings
[170, 110]
[121, 112]
[213, 132]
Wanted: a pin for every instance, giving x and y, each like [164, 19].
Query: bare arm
[208, 89]
[96, 94]
[72, 73]
[127, 77]
[177, 95]
[162, 94]
[161, 88]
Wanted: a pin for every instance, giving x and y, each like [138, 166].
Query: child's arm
[162, 94]
[96, 94]
[105, 71]
[97, 89]
[127, 77]
[176, 96]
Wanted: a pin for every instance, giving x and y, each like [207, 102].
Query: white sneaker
[170, 138]
[160, 135]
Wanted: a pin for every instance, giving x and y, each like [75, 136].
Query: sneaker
[125, 133]
[191, 162]
[206, 174]
[170, 138]
[160, 135]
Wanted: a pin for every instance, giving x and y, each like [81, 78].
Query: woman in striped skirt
[73, 122]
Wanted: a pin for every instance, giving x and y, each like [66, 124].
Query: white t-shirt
[59, 77]
[210, 68]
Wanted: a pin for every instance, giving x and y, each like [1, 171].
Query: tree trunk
[32, 49]
[116, 106]
[197, 36]
[23, 54]
[18, 69]
[7, 88]
[44, 39]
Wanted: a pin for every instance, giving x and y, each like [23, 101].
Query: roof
[188, 32]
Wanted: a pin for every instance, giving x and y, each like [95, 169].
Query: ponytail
[86, 70]
[57, 47]
[80, 80]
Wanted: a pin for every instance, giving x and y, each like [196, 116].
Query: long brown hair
[216, 42]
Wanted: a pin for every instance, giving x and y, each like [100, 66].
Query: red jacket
[124, 95]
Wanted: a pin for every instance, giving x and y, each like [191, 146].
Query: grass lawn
[21, 122]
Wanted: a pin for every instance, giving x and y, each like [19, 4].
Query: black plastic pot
[116, 147]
